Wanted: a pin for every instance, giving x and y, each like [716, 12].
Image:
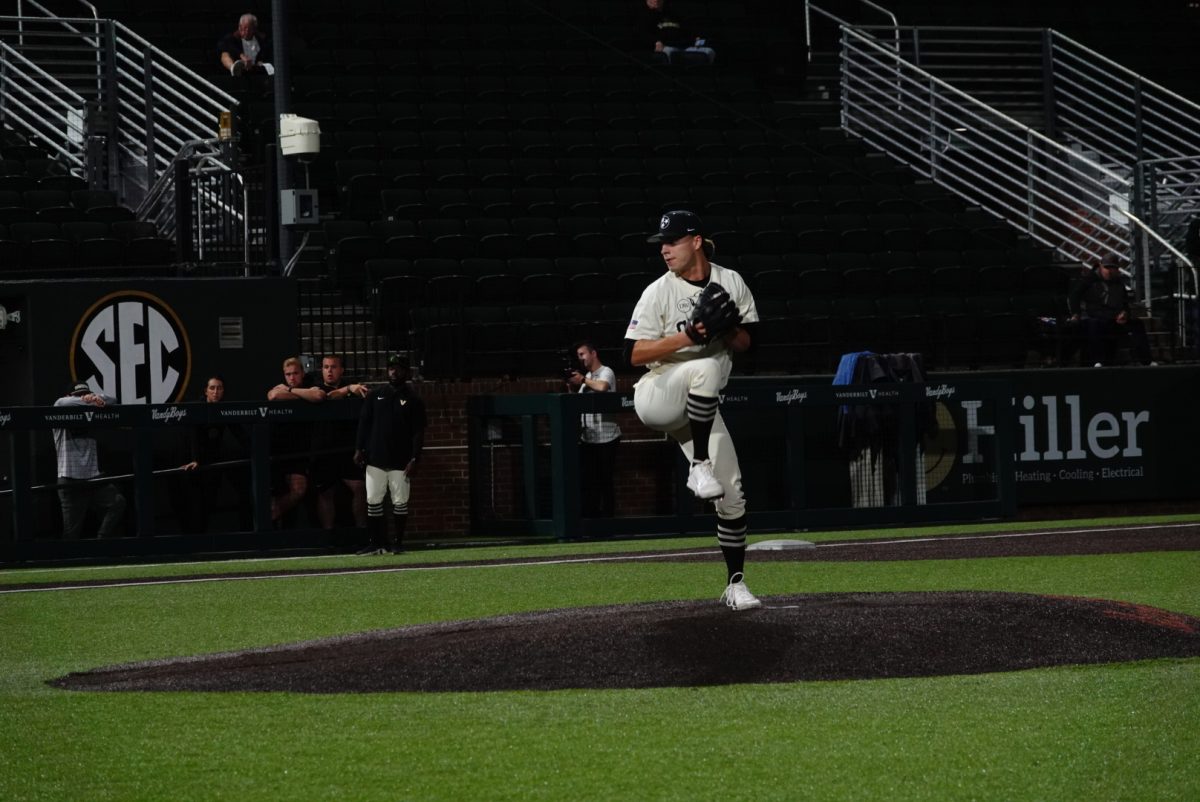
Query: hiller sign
[1106, 435]
[1079, 435]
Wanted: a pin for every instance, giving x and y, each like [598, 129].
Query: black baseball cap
[80, 388]
[398, 361]
[675, 224]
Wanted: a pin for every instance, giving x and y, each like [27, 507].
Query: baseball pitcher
[684, 329]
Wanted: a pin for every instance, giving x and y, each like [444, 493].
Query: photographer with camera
[599, 432]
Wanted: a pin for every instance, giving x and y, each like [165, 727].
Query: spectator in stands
[211, 443]
[332, 463]
[246, 51]
[1104, 302]
[672, 35]
[599, 434]
[290, 442]
[79, 466]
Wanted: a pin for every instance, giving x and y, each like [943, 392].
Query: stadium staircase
[1073, 149]
[489, 172]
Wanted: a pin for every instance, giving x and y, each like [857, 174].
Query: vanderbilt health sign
[1081, 435]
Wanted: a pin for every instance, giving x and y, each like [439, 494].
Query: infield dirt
[688, 643]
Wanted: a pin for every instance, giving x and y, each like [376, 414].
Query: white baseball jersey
[666, 306]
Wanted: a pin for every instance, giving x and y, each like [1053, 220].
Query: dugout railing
[786, 434]
[140, 428]
[783, 431]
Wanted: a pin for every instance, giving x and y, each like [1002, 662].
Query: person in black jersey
[391, 434]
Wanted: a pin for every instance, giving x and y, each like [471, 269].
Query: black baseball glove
[716, 310]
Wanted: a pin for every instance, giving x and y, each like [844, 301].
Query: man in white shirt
[599, 433]
[245, 50]
[78, 464]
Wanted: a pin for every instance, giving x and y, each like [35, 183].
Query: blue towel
[845, 370]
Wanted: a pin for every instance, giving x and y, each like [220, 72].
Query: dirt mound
[673, 644]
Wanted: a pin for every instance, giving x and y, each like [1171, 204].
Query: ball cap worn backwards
[676, 224]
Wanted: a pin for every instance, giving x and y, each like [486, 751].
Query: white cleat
[702, 482]
[737, 596]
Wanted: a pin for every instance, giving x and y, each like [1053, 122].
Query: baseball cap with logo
[398, 361]
[80, 388]
[675, 224]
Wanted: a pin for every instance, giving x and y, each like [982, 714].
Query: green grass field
[1129, 731]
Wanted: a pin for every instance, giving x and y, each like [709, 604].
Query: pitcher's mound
[671, 644]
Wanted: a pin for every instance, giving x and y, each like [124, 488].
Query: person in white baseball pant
[391, 434]
[680, 392]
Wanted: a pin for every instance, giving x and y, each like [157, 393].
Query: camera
[570, 364]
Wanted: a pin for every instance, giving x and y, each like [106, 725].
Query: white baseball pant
[660, 400]
[379, 482]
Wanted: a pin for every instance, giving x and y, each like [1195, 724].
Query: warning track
[1042, 543]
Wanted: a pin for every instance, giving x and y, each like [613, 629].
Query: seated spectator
[246, 51]
[671, 34]
[1103, 300]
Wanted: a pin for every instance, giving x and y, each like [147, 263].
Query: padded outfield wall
[146, 340]
[1080, 435]
[142, 341]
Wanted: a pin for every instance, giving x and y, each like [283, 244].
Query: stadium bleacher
[490, 159]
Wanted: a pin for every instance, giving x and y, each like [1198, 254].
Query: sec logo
[131, 345]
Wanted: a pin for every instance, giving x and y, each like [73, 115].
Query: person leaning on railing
[78, 465]
[208, 444]
[291, 443]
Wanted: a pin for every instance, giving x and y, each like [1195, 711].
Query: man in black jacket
[391, 433]
[1104, 301]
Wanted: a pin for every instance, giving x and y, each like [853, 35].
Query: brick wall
[440, 504]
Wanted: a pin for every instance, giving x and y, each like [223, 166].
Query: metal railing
[1068, 91]
[838, 18]
[208, 207]
[1116, 112]
[143, 104]
[1168, 192]
[49, 113]
[1072, 94]
[1002, 67]
[1050, 192]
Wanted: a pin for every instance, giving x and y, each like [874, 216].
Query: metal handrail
[1159, 109]
[810, 7]
[191, 103]
[154, 205]
[1078, 97]
[979, 153]
[50, 14]
[58, 110]
[1168, 190]
[155, 104]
